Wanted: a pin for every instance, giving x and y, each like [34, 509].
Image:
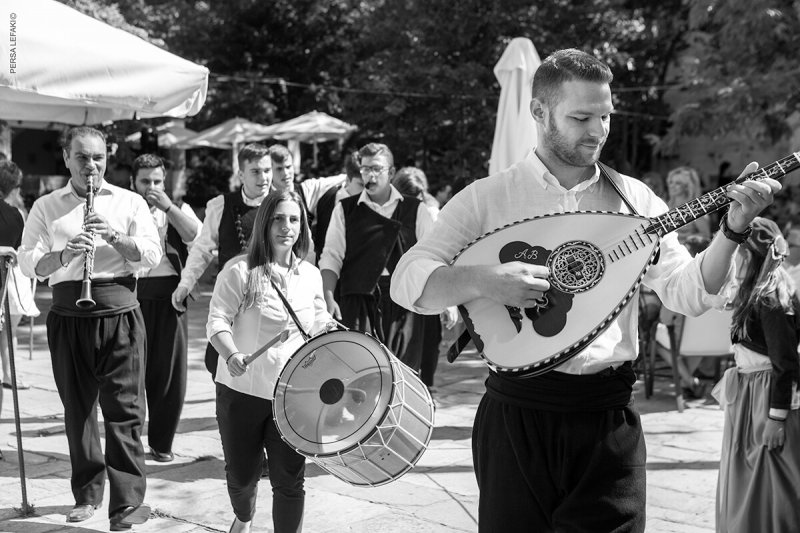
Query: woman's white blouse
[253, 327]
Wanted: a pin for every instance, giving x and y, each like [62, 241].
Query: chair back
[708, 334]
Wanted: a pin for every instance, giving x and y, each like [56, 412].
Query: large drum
[345, 402]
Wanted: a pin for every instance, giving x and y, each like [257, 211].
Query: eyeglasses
[372, 170]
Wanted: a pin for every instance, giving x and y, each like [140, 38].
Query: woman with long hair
[760, 461]
[683, 185]
[246, 312]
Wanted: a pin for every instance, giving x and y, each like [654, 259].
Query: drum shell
[393, 435]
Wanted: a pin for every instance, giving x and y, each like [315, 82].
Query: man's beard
[566, 152]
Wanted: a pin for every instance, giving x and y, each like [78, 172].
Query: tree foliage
[418, 74]
[741, 72]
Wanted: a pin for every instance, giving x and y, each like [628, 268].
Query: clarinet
[86, 301]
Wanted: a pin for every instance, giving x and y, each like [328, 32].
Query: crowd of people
[371, 248]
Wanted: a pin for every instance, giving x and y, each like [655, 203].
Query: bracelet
[731, 235]
[61, 259]
[229, 357]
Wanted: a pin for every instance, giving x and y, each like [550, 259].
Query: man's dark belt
[157, 288]
[112, 297]
[566, 393]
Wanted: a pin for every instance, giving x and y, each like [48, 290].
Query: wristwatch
[731, 235]
[114, 238]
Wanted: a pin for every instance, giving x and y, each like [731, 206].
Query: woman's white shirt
[251, 328]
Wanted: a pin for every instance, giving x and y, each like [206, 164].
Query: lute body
[596, 262]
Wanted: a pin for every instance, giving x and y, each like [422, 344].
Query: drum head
[333, 392]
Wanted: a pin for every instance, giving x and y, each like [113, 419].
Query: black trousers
[101, 360]
[431, 338]
[543, 471]
[247, 428]
[165, 376]
[394, 325]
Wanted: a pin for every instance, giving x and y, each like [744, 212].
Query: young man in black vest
[167, 328]
[366, 237]
[227, 226]
[310, 190]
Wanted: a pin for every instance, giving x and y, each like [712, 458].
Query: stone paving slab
[438, 496]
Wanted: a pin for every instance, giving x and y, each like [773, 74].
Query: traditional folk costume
[244, 403]
[364, 242]
[549, 450]
[98, 354]
[167, 334]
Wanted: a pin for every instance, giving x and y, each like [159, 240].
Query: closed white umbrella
[515, 129]
[63, 66]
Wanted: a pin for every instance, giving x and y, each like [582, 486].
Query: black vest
[374, 242]
[324, 212]
[235, 226]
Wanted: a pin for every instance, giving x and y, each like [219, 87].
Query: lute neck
[718, 198]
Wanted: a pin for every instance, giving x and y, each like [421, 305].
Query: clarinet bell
[85, 301]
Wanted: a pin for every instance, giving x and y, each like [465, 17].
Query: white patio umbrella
[515, 129]
[232, 133]
[63, 66]
[314, 127]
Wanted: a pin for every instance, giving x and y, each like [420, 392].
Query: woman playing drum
[245, 313]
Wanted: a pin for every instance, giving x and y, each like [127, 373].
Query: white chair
[707, 335]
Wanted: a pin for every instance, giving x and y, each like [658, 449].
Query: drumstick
[282, 336]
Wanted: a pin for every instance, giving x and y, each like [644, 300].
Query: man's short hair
[147, 161]
[10, 177]
[81, 131]
[279, 153]
[563, 66]
[251, 152]
[376, 149]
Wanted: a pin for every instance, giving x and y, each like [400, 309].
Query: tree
[742, 74]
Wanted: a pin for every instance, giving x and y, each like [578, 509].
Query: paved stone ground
[439, 495]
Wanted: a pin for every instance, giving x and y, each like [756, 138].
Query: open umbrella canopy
[227, 134]
[63, 66]
[515, 129]
[313, 127]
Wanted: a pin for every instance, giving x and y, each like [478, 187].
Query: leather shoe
[81, 512]
[125, 517]
[162, 457]
[21, 385]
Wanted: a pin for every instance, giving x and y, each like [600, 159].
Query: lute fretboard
[718, 198]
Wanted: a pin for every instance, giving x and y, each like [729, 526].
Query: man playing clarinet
[94, 231]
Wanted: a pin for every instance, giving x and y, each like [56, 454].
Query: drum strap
[289, 309]
[612, 176]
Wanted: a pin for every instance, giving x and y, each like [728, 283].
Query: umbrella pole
[5, 275]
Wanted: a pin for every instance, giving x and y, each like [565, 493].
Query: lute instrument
[593, 274]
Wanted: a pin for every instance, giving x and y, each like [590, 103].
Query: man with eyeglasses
[367, 235]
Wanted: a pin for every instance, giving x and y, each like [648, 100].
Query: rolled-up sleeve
[226, 299]
[145, 236]
[36, 242]
[676, 277]
[202, 251]
[335, 242]
[457, 225]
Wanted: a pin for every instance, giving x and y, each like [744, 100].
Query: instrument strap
[288, 307]
[605, 171]
[608, 173]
